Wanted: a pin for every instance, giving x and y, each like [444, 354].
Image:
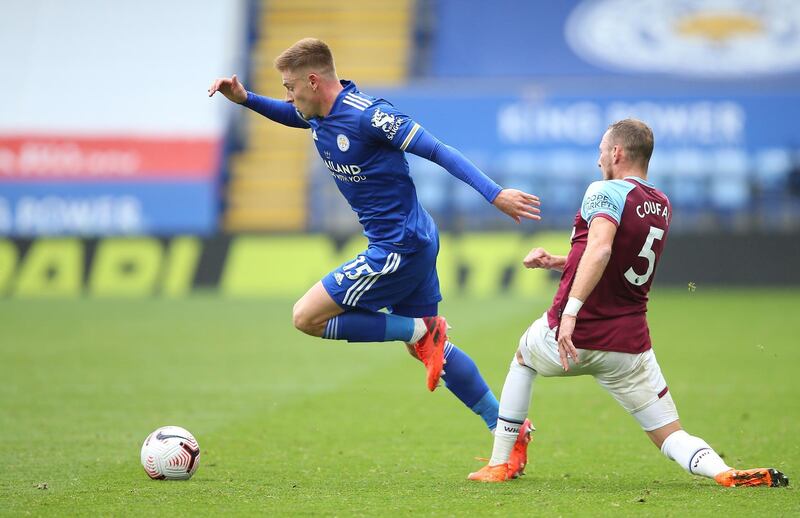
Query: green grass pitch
[291, 425]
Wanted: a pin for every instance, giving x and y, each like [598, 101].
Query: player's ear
[313, 81]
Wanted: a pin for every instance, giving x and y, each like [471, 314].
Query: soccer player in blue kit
[362, 140]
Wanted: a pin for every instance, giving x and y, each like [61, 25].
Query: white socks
[419, 331]
[693, 454]
[514, 403]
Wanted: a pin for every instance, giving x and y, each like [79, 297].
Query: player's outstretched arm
[541, 258]
[516, 204]
[230, 87]
[279, 111]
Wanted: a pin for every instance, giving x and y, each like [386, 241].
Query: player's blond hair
[307, 54]
[635, 137]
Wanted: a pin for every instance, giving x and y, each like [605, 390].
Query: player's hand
[538, 258]
[518, 204]
[566, 349]
[230, 88]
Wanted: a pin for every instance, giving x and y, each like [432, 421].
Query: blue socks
[461, 375]
[464, 380]
[369, 326]
[398, 328]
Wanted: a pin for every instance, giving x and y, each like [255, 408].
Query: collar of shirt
[347, 87]
[640, 180]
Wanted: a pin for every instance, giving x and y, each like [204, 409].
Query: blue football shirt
[362, 142]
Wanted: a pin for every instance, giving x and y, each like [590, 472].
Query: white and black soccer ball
[170, 453]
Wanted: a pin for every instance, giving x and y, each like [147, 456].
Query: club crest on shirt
[387, 122]
[343, 142]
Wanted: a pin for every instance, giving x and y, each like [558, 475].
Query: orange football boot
[752, 477]
[519, 455]
[489, 473]
[430, 349]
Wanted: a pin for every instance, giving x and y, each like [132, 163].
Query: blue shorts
[405, 284]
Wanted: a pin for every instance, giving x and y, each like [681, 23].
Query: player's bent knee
[302, 319]
[523, 340]
[522, 356]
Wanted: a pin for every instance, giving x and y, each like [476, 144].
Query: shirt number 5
[648, 253]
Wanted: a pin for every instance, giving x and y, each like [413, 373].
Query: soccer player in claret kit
[362, 141]
[597, 325]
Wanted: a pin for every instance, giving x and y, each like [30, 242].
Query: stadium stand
[529, 98]
[509, 83]
[268, 186]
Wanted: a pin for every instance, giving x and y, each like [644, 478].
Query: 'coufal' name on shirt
[652, 207]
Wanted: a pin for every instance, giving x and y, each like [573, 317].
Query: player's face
[299, 92]
[605, 161]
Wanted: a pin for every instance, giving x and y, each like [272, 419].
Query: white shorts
[635, 380]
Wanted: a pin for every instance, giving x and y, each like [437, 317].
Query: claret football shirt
[613, 317]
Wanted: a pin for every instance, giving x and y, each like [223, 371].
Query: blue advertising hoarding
[118, 208]
[712, 153]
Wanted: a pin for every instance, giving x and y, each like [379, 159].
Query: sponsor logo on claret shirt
[599, 201]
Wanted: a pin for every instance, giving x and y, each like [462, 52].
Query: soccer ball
[170, 453]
